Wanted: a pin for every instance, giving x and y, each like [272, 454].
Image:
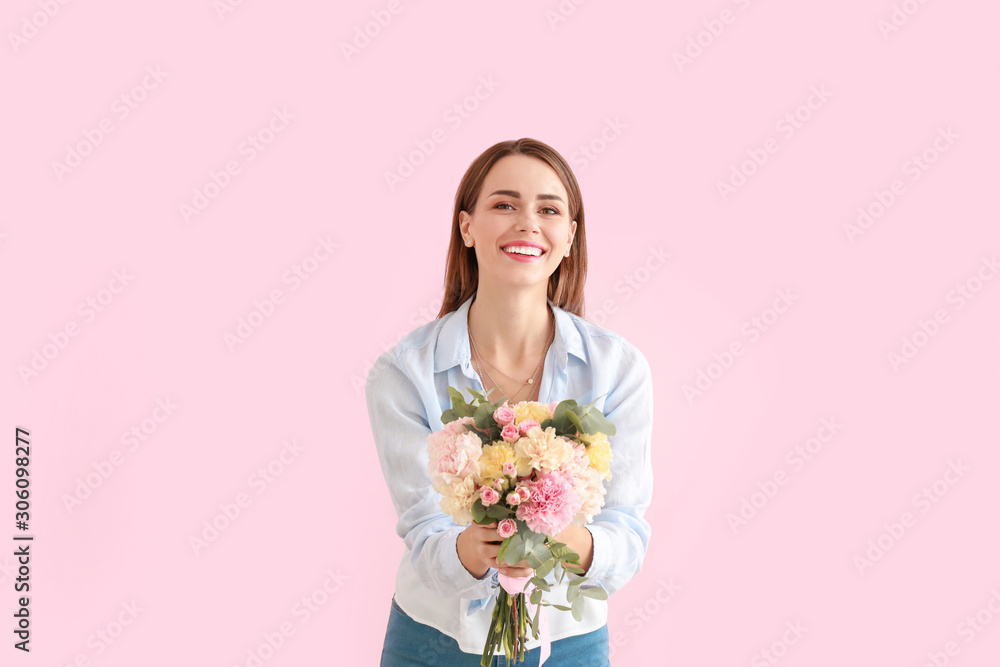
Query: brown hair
[462, 270]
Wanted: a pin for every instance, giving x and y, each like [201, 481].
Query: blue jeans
[408, 642]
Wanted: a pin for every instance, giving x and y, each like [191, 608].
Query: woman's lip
[523, 258]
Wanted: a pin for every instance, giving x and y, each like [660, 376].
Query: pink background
[563, 73]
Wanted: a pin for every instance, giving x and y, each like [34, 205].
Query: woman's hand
[478, 546]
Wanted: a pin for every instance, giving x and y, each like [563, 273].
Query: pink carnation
[506, 528]
[457, 427]
[489, 496]
[504, 415]
[552, 506]
[453, 456]
[510, 433]
[527, 425]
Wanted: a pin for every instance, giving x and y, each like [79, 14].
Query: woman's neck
[510, 326]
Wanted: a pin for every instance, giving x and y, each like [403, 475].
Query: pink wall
[171, 172]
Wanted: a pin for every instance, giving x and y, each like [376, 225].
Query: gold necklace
[530, 380]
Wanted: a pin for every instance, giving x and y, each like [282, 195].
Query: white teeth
[523, 250]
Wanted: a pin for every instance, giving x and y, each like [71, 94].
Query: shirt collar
[453, 341]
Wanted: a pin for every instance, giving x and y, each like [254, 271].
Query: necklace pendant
[531, 380]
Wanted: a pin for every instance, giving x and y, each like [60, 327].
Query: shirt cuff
[600, 563]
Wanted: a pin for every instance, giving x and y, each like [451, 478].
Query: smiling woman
[511, 325]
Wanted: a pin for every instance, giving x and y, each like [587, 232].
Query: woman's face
[522, 200]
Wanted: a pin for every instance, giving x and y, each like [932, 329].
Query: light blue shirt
[406, 392]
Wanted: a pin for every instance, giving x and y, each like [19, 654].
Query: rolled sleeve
[400, 429]
[621, 533]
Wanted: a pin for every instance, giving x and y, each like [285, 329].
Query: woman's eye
[549, 208]
[503, 203]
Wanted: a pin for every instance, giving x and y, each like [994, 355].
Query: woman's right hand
[478, 546]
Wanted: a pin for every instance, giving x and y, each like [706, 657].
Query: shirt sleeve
[621, 533]
[400, 429]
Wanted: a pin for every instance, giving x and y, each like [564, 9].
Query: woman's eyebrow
[517, 195]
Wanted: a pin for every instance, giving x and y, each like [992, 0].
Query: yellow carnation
[599, 453]
[531, 410]
[492, 459]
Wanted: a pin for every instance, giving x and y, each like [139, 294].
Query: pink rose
[513, 498]
[553, 504]
[510, 433]
[489, 496]
[506, 528]
[527, 425]
[509, 468]
[524, 492]
[504, 415]
[499, 482]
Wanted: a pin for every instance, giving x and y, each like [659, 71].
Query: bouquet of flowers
[535, 468]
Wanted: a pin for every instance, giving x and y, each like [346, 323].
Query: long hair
[566, 283]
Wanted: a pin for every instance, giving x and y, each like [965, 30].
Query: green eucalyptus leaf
[577, 608]
[595, 592]
[515, 552]
[484, 416]
[539, 582]
[503, 549]
[595, 422]
[575, 420]
[546, 567]
[478, 511]
[572, 593]
[533, 561]
[536, 596]
[498, 511]
[560, 607]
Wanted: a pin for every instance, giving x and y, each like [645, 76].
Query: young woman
[511, 319]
